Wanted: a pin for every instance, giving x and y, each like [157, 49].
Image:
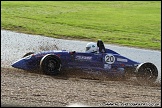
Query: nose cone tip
[16, 65]
[13, 65]
[19, 64]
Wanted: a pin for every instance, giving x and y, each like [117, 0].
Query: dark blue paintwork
[109, 61]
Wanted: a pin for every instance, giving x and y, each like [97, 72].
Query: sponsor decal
[128, 65]
[109, 58]
[107, 66]
[122, 60]
[83, 58]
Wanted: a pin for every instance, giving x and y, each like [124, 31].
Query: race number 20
[109, 58]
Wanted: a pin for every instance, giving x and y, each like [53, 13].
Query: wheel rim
[147, 74]
[51, 66]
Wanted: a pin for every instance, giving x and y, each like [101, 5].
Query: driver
[91, 47]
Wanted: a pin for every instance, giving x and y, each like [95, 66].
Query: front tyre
[146, 72]
[50, 64]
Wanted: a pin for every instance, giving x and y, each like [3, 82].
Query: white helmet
[91, 47]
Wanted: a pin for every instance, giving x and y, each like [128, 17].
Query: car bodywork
[105, 60]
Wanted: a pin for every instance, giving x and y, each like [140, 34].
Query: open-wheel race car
[96, 58]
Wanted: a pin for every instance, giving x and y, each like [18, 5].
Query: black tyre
[146, 73]
[50, 64]
[29, 53]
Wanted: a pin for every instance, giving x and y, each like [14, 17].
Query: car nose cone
[20, 64]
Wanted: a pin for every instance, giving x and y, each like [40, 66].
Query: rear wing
[101, 46]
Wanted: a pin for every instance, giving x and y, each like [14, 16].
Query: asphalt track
[15, 45]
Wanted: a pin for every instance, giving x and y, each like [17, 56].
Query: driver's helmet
[91, 47]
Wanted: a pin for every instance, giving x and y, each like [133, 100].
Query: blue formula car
[96, 58]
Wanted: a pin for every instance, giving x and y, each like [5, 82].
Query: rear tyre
[146, 73]
[50, 64]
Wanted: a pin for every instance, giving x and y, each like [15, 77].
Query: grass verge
[128, 23]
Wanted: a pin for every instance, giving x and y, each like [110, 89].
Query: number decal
[109, 58]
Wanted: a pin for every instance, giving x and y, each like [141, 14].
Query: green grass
[128, 23]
